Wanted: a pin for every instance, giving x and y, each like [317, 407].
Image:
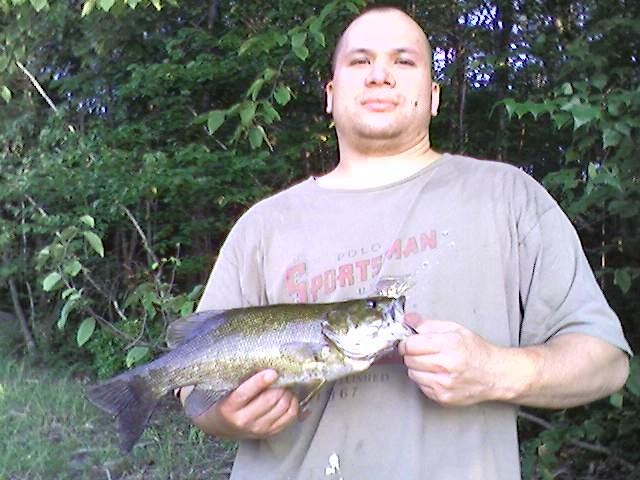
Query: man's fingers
[428, 363]
[428, 343]
[279, 416]
[436, 326]
[251, 388]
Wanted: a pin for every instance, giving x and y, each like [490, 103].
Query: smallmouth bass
[307, 344]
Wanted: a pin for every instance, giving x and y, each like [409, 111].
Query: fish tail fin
[131, 400]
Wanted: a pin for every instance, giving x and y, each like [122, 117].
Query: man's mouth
[379, 104]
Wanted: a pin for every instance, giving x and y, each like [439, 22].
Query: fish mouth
[372, 340]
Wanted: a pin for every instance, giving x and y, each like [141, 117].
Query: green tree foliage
[134, 132]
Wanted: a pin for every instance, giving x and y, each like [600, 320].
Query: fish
[215, 351]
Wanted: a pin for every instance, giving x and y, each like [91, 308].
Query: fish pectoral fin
[315, 388]
[303, 351]
[202, 399]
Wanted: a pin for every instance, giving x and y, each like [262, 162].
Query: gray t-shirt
[483, 244]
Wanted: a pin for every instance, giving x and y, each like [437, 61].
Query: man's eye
[405, 61]
[359, 61]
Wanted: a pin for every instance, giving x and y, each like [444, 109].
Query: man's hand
[451, 364]
[454, 366]
[253, 410]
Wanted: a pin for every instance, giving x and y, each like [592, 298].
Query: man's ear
[435, 98]
[328, 91]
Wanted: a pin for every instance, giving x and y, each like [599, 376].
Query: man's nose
[380, 74]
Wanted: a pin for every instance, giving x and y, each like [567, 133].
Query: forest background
[133, 133]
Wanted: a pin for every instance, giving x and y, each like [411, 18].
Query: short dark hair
[368, 9]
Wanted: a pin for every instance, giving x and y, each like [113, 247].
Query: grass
[48, 430]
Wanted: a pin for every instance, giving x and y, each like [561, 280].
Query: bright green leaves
[247, 113]
[88, 221]
[215, 120]
[5, 93]
[298, 45]
[582, 113]
[256, 136]
[135, 355]
[88, 7]
[282, 95]
[39, 5]
[623, 278]
[85, 330]
[51, 281]
[95, 242]
[72, 268]
[107, 5]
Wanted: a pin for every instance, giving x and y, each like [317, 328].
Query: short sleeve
[558, 290]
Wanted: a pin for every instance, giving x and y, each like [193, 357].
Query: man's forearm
[567, 371]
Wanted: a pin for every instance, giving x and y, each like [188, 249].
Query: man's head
[381, 94]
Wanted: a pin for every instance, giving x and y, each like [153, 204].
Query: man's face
[381, 87]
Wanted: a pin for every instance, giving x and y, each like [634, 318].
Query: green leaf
[88, 7]
[135, 355]
[282, 95]
[622, 278]
[610, 138]
[187, 308]
[68, 292]
[315, 25]
[106, 4]
[85, 330]
[509, 105]
[39, 4]
[301, 52]
[616, 399]
[51, 281]
[67, 308]
[319, 39]
[269, 113]
[72, 268]
[95, 242]
[298, 40]
[254, 89]
[247, 113]
[195, 292]
[68, 233]
[566, 89]
[5, 93]
[255, 137]
[215, 120]
[247, 44]
[88, 220]
[560, 119]
[583, 114]
[157, 4]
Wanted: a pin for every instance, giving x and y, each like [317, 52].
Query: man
[506, 307]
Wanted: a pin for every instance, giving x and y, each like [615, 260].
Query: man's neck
[357, 170]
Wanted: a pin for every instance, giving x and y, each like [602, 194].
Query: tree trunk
[504, 15]
[19, 312]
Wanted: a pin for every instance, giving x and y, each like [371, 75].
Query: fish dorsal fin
[184, 329]
[202, 399]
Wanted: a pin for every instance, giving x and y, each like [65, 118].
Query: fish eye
[371, 303]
